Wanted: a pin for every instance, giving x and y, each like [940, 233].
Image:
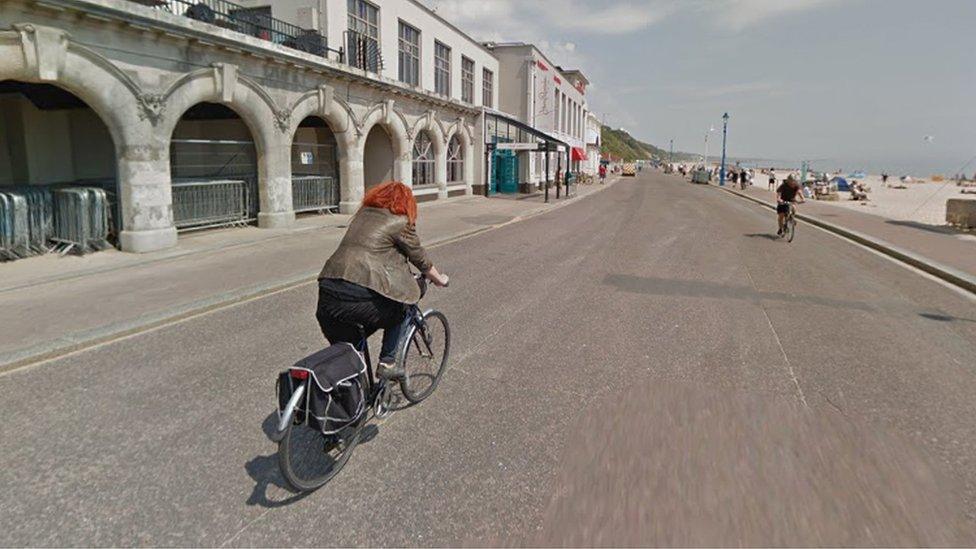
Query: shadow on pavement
[944, 318]
[940, 229]
[698, 288]
[266, 473]
[767, 236]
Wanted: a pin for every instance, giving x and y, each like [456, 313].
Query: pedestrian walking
[884, 179]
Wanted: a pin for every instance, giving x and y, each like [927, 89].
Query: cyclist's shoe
[390, 372]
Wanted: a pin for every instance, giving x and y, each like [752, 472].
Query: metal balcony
[255, 22]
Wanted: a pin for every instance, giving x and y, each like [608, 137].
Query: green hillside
[621, 144]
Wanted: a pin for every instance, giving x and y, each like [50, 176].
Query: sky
[850, 84]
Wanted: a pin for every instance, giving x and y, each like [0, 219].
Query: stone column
[274, 184]
[403, 167]
[352, 182]
[440, 171]
[145, 195]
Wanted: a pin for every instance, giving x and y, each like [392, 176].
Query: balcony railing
[363, 52]
[255, 22]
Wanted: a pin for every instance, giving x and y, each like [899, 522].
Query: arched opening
[213, 164]
[423, 160]
[377, 157]
[58, 181]
[314, 167]
[455, 160]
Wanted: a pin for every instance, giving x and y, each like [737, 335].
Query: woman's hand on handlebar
[438, 279]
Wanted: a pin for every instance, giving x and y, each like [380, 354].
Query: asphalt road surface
[648, 365]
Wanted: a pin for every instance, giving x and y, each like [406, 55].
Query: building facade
[273, 109]
[593, 136]
[548, 98]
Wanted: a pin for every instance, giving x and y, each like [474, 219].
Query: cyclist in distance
[788, 193]
[367, 280]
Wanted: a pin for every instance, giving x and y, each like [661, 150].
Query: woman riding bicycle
[367, 280]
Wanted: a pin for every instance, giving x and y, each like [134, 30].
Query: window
[487, 84]
[455, 161]
[364, 35]
[409, 55]
[423, 160]
[467, 80]
[442, 69]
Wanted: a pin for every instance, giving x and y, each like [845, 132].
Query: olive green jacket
[374, 253]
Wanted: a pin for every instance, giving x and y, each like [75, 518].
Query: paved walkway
[60, 303]
[946, 246]
[645, 367]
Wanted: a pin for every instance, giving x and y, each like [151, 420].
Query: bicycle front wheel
[423, 355]
[790, 229]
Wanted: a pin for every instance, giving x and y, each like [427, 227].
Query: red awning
[578, 153]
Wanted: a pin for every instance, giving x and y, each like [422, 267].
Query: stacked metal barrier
[314, 193]
[202, 204]
[14, 226]
[34, 217]
[80, 219]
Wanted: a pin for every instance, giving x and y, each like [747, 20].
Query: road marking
[782, 350]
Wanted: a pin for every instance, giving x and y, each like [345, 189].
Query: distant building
[593, 141]
[547, 98]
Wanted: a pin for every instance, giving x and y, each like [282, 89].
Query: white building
[593, 136]
[283, 107]
[412, 44]
[546, 97]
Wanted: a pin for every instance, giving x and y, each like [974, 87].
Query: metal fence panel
[314, 193]
[14, 226]
[202, 204]
[80, 219]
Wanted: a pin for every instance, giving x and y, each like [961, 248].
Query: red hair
[393, 196]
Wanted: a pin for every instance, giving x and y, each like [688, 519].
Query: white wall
[334, 16]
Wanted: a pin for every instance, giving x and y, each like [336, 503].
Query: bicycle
[428, 334]
[789, 224]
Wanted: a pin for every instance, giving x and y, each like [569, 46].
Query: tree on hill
[621, 144]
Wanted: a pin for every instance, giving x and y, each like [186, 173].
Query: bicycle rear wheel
[423, 355]
[308, 459]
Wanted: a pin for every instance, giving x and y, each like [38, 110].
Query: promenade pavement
[55, 304]
[648, 366]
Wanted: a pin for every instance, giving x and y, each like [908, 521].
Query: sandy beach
[920, 202]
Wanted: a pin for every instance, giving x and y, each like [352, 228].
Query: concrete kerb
[72, 343]
[934, 268]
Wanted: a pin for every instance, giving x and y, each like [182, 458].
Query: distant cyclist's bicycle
[789, 224]
[308, 457]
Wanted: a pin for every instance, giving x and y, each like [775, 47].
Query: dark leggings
[338, 316]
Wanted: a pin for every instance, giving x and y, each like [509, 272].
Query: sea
[919, 167]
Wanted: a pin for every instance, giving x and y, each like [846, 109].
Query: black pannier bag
[335, 397]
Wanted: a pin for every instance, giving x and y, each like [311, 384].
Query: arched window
[423, 160]
[455, 161]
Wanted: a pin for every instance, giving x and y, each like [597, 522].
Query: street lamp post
[705, 158]
[670, 151]
[725, 131]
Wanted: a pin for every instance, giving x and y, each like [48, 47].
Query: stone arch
[384, 115]
[461, 131]
[40, 54]
[428, 123]
[322, 103]
[268, 125]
